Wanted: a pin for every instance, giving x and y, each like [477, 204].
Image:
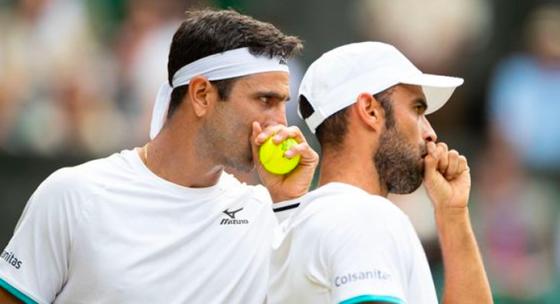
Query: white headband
[229, 64]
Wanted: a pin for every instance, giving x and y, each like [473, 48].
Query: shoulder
[71, 183]
[61, 182]
[352, 208]
[237, 188]
[351, 218]
[117, 165]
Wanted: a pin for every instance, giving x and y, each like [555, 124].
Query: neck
[174, 158]
[353, 167]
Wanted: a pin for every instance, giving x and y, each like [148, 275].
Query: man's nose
[276, 115]
[428, 133]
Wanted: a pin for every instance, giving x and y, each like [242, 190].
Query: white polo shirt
[343, 245]
[110, 231]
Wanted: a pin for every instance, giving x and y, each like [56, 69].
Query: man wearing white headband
[346, 243]
[163, 223]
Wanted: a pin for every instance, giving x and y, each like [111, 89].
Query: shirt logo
[283, 61]
[232, 220]
[231, 214]
[373, 274]
[11, 259]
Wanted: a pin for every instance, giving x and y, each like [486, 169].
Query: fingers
[281, 133]
[303, 149]
[441, 155]
[263, 135]
[430, 161]
[453, 165]
[457, 165]
[463, 164]
[448, 163]
[257, 129]
[437, 158]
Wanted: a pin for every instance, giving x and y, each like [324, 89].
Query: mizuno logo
[232, 213]
[232, 220]
[283, 61]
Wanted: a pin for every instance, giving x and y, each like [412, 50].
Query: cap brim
[437, 88]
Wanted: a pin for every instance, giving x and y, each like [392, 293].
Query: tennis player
[163, 223]
[346, 243]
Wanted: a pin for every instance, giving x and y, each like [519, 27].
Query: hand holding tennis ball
[278, 140]
[273, 159]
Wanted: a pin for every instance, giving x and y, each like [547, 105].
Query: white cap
[334, 81]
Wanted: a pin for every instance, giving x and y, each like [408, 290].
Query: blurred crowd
[73, 80]
[519, 178]
[79, 77]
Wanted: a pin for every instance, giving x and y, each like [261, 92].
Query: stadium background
[77, 79]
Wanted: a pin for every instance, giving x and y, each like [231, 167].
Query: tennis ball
[272, 157]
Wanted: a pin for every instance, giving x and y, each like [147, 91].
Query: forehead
[278, 82]
[408, 92]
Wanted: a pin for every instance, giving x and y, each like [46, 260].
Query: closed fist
[446, 177]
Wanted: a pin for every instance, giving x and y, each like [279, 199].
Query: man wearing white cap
[346, 243]
[163, 223]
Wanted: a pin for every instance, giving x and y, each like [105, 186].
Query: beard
[243, 162]
[399, 163]
[228, 147]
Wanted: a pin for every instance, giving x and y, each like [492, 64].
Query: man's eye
[264, 99]
[419, 108]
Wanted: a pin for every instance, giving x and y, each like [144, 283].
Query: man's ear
[369, 111]
[201, 95]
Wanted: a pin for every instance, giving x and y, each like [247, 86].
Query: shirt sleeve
[34, 265]
[366, 260]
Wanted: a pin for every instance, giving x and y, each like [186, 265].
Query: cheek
[227, 125]
[254, 114]
[270, 114]
[241, 125]
[410, 127]
[416, 129]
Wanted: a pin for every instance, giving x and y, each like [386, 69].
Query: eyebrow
[272, 94]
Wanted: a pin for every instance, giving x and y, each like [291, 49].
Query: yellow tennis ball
[272, 157]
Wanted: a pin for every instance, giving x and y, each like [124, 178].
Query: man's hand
[448, 182]
[295, 183]
[446, 177]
